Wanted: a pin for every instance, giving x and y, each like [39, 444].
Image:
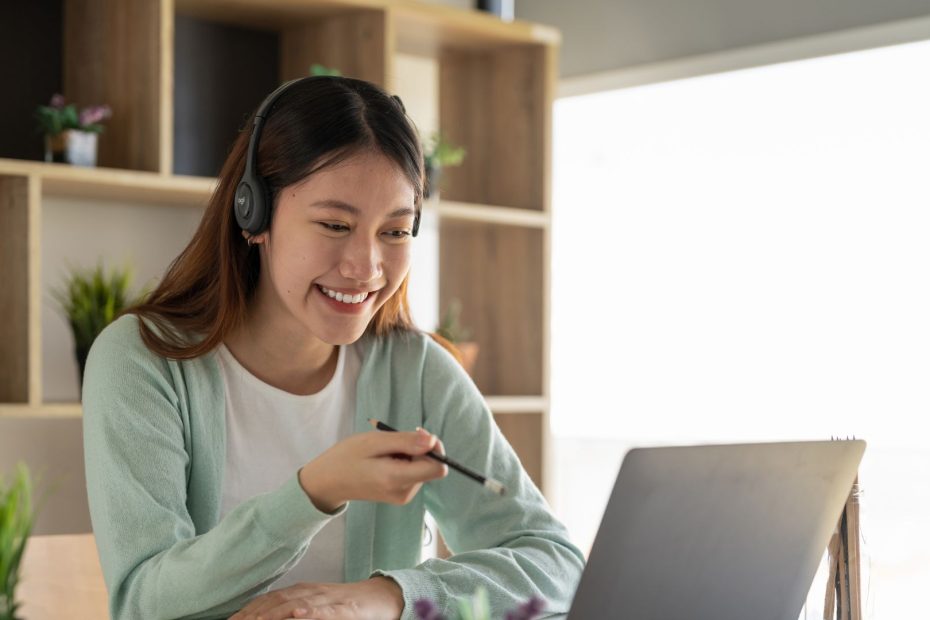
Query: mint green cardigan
[154, 445]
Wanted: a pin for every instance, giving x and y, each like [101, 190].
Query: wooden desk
[61, 577]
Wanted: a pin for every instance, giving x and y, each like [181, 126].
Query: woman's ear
[254, 239]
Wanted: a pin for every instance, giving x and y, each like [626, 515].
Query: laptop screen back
[726, 532]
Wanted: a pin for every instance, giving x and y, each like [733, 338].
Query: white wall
[603, 35]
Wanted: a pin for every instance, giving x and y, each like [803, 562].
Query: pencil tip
[374, 423]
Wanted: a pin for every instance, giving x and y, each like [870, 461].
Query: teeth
[346, 299]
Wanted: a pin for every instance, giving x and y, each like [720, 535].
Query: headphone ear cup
[251, 204]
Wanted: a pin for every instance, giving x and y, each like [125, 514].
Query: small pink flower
[94, 114]
[58, 101]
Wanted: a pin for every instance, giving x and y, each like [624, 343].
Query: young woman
[231, 469]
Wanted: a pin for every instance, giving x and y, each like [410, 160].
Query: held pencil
[488, 483]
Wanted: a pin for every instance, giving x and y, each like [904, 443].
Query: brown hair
[313, 124]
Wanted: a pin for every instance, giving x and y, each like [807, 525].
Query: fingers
[303, 609]
[410, 443]
[439, 448]
[297, 601]
[402, 479]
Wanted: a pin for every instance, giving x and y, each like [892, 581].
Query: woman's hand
[377, 466]
[379, 598]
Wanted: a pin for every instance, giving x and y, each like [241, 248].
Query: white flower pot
[72, 146]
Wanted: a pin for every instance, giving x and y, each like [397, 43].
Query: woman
[230, 465]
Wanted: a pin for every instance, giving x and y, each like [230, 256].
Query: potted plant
[16, 520]
[439, 153]
[70, 136]
[451, 329]
[90, 300]
[318, 69]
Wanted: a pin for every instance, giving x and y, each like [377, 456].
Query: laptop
[725, 532]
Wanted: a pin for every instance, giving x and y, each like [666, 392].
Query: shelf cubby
[500, 287]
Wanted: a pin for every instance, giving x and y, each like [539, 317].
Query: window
[746, 257]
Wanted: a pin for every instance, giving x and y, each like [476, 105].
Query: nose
[361, 260]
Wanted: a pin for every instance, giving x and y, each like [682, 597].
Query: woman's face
[344, 229]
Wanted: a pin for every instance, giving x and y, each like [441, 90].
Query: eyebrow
[343, 206]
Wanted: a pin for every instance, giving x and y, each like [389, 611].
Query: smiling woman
[229, 470]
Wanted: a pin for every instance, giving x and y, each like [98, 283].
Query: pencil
[488, 483]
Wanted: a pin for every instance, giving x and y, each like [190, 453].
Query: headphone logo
[240, 200]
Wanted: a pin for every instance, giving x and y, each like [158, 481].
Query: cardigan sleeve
[155, 563]
[511, 545]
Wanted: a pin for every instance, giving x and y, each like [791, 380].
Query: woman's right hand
[377, 466]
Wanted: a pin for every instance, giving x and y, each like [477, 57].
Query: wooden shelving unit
[182, 76]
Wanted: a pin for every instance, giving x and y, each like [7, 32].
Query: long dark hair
[314, 124]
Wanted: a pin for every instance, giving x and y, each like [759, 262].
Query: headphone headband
[252, 203]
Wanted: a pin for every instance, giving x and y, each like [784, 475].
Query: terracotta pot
[469, 352]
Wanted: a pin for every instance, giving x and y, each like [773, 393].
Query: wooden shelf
[63, 410]
[452, 210]
[517, 404]
[151, 187]
[421, 26]
[113, 183]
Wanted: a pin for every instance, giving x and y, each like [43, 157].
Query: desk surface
[61, 577]
[66, 568]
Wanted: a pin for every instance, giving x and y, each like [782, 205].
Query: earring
[250, 241]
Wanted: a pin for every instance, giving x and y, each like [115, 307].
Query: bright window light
[746, 257]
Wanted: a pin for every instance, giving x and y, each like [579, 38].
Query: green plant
[438, 152]
[318, 69]
[58, 116]
[450, 327]
[16, 521]
[90, 300]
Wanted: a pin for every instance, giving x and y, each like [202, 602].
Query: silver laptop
[730, 532]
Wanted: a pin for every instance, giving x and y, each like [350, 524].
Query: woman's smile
[344, 303]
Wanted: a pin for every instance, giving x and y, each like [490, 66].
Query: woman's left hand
[376, 598]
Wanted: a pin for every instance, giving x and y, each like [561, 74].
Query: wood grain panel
[354, 43]
[493, 103]
[14, 301]
[524, 431]
[496, 272]
[112, 55]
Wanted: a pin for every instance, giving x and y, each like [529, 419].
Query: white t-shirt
[271, 433]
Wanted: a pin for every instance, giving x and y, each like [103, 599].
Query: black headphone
[253, 201]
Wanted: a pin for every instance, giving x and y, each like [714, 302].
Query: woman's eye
[398, 234]
[334, 227]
